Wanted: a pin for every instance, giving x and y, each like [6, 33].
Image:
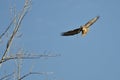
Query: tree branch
[28, 56]
[6, 76]
[20, 18]
[40, 73]
[7, 29]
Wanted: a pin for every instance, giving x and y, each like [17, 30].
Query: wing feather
[92, 21]
[72, 32]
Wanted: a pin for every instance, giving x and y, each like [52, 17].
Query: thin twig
[7, 29]
[28, 57]
[6, 76]
[40, 73]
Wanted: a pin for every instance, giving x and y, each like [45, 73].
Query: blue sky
[93, 57]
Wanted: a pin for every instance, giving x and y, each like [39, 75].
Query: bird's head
[84, 31]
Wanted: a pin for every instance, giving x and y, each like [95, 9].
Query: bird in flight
[84, 29]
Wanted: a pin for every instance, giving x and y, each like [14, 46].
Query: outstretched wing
[72, 32]
[89, 23]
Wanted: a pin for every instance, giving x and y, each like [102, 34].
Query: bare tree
[18, 57]
[17, 26]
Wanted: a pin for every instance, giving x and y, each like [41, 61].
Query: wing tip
[97, 17]
[64, 34]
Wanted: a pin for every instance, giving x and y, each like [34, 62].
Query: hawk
[84, 29]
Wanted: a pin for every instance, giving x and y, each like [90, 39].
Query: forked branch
[20, 18]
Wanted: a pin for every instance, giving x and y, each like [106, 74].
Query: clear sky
[93, 57]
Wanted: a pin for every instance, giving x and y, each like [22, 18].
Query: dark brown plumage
[72, 32]
[83, 28]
